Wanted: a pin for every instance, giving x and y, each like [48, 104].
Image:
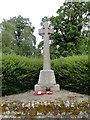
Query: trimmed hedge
[72, 73]
[20, 74]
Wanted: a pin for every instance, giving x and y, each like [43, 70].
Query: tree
[44, 19]
[17, 36]
[70, 35]
[8, 37]
[41, 45]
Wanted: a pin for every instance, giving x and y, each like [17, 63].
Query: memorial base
[38, 87]
[47, 79]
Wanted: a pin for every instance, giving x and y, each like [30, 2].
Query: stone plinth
[47, 79]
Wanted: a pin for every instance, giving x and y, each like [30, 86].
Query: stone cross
[46, 76]
[45, 32]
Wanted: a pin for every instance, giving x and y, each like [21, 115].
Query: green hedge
[72, 73]
[20, 74]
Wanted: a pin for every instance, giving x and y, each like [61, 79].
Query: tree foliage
[70, 36]
[17, 36]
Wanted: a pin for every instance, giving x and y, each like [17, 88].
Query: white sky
[35, 10]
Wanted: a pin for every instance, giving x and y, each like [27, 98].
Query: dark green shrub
[20, 74]
[72, 73]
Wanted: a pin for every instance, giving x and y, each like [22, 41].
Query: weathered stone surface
[37, 87]
[60, 95]
[43, 88]
[36, 108]
[45, 32]
[46, 77]
[55, 87]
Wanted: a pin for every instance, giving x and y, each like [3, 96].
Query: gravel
[61, 95]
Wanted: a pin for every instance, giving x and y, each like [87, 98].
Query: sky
[35, 10]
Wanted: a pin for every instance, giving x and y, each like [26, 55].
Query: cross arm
[51, 31]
